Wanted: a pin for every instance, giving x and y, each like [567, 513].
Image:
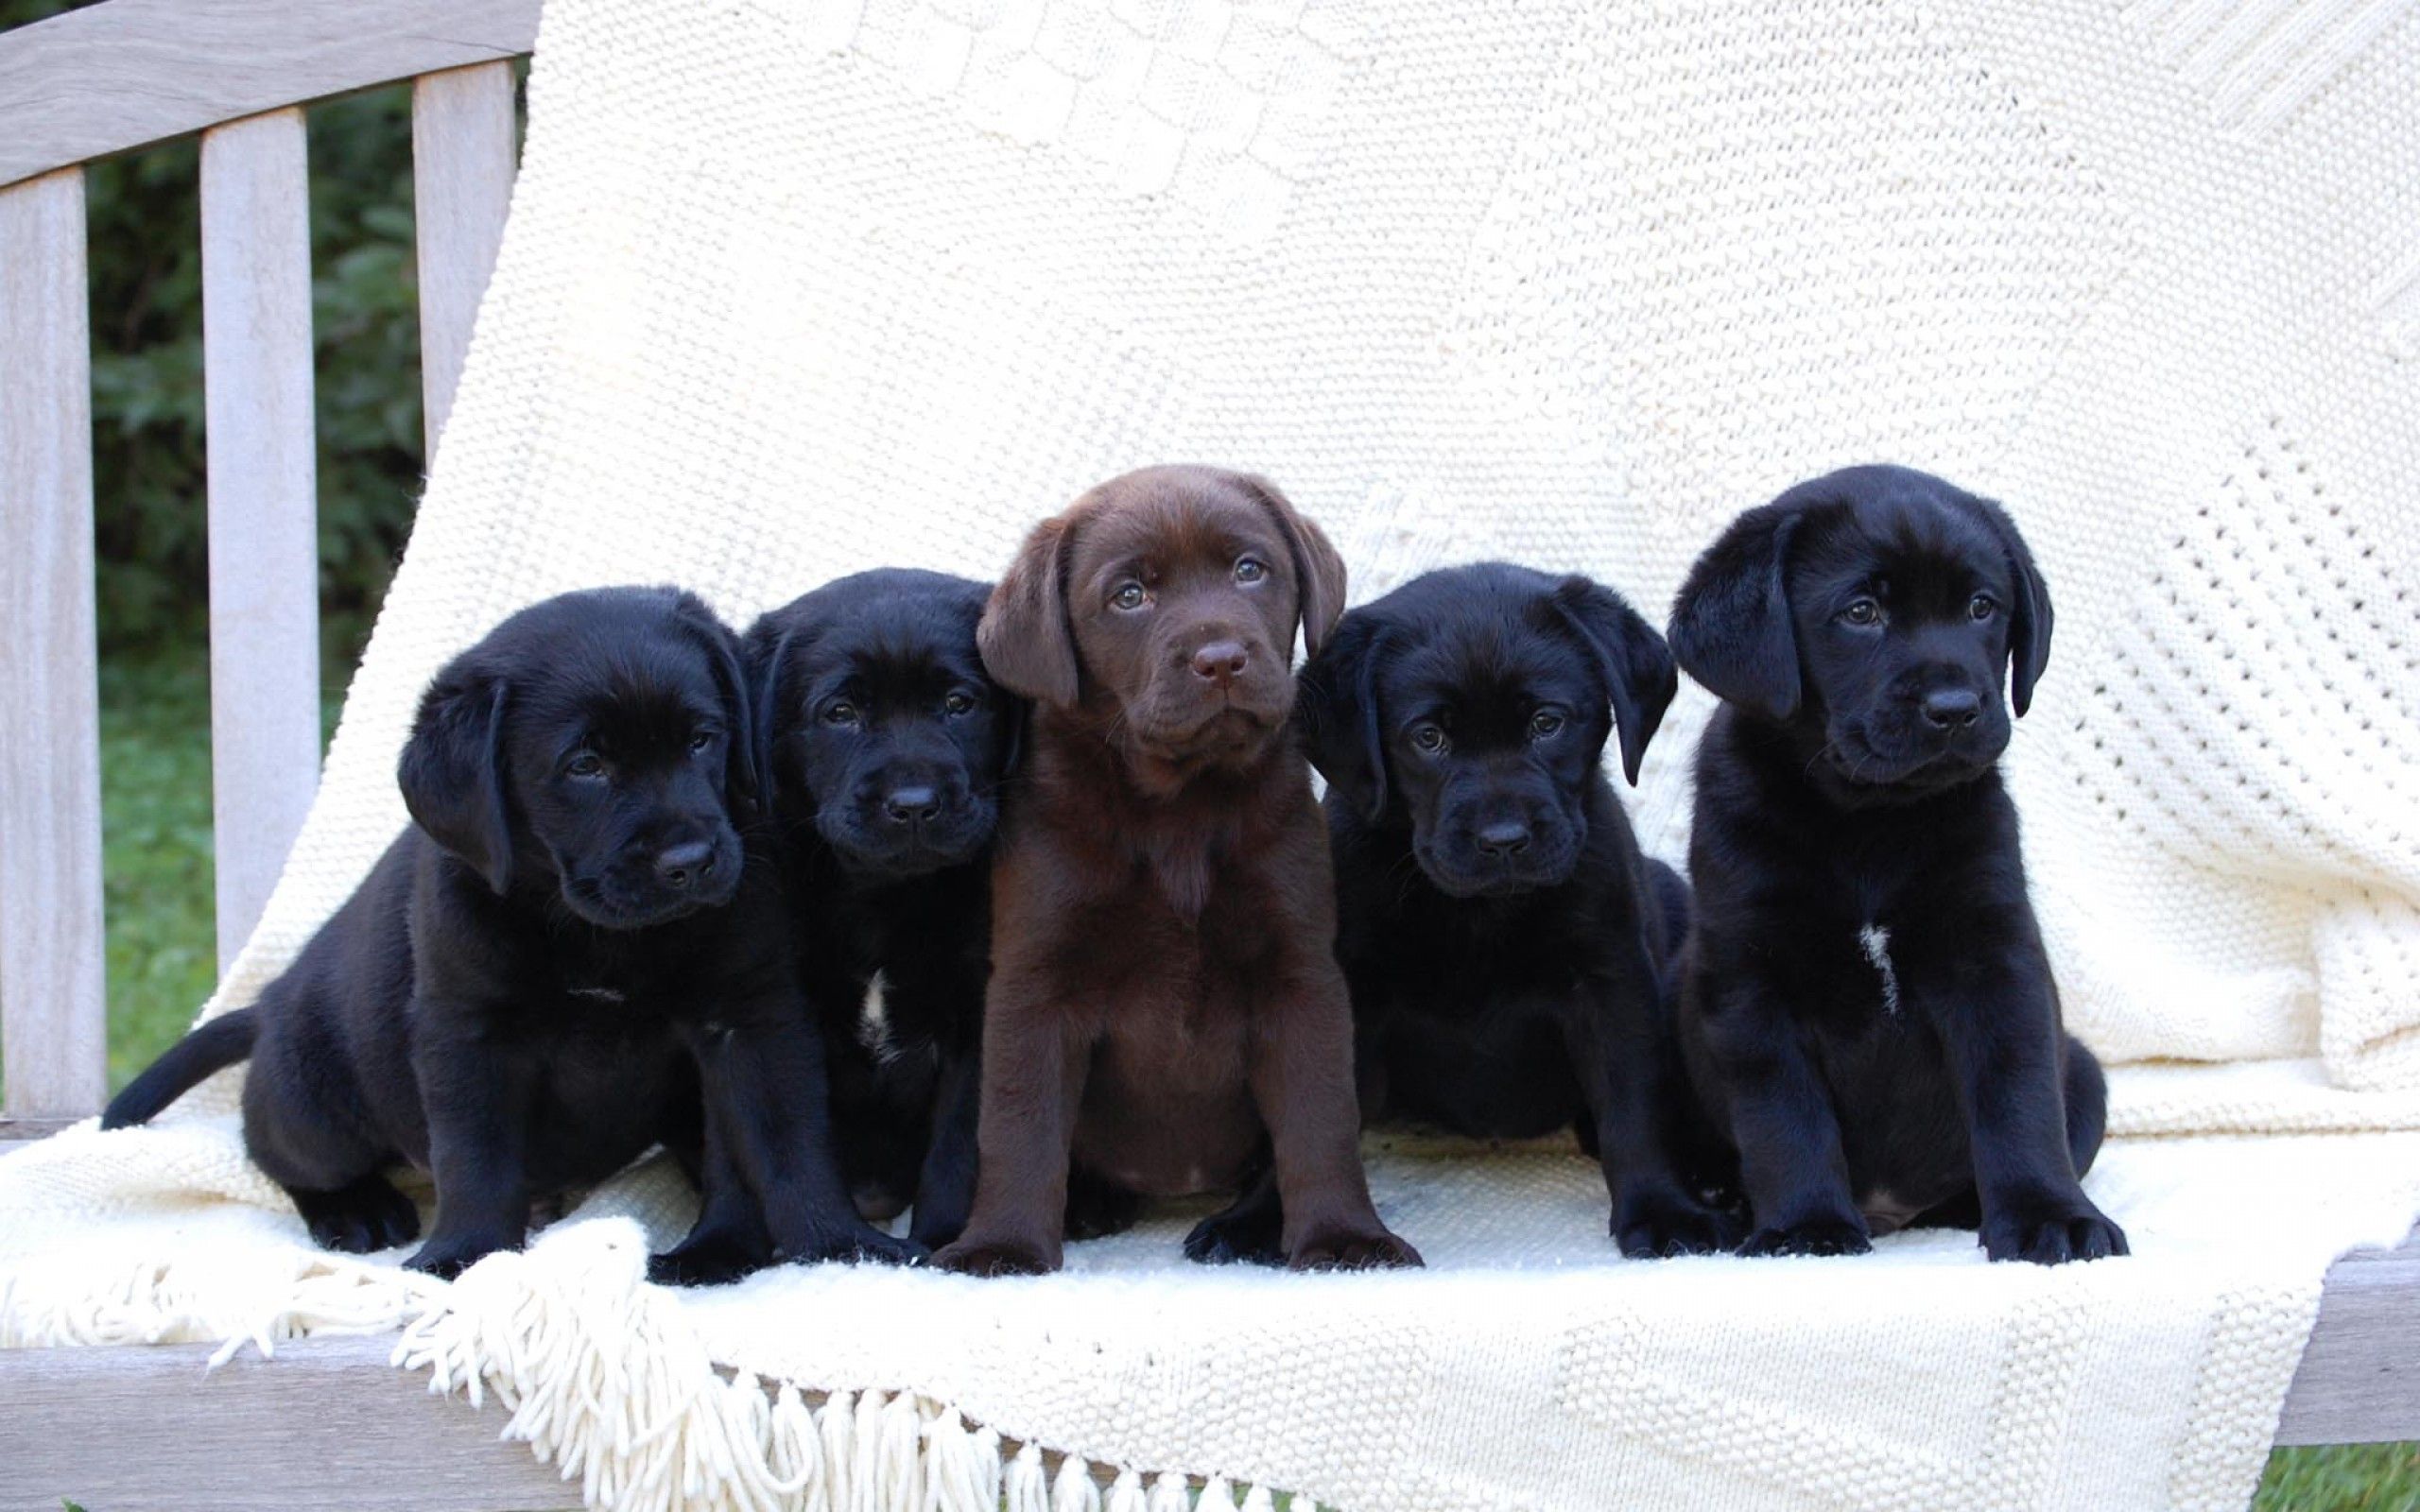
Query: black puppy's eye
[1980, 607]
[703, 739]
[1428, 739]
[587, 763]
[960, 701]
[1544, 723]
[840, 712]
[1862, 611]
[1128, 596]
[1251, 570]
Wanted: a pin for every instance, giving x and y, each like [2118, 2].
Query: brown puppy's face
[1165, 603]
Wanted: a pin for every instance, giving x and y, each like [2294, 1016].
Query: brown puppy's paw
[1812, 1236]
[2052, 1233]
[1661, 1224]
[994, 1257]
[1351, 1249]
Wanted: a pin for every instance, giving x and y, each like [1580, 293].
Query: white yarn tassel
[838, 1423]
[1126, 1494]
[1025, 1488]
[1217, 1496]
[961, 1467]
[794, 1471]
[1169, 1494]
[899, 1486]
[1258, 1499]
[1075, 1490]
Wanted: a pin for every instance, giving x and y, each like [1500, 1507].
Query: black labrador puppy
[884, 748]
[1868, 1013]
[1505, 942]
[535, 980]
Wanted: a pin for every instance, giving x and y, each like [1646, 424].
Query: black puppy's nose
[1221, 662]
[685, 865]
[906, 804]
[1952, 708]
[1507, 838]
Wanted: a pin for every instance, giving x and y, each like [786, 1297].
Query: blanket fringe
[604, 1379]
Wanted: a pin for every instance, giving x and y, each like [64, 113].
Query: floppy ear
[1337, 696]
[1630, 658]
[2029, 630]
[452, 771]
[1317, 567]
[1731, 627]
[1024, 637]
[767, 654]
[742, 782]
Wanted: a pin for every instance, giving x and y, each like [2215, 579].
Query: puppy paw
[1351, 1249]
[2052, 1232]
[1812, 1236]
[358, 1219]
[1237, 1236]
[994, 1257]
[711, 1260]
[447, 1258]
[1661, 1224]
[862, 1245]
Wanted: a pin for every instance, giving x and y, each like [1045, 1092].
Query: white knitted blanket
[799, 287]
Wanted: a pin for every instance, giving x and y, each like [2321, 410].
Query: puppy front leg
[729, 1239]
[945, 1183]
[2001, 1023]
[1622, 1051]
[477, 1098]
[765, 1084]
[1034, 1063]
[1785, 1127]
[1301, 1067]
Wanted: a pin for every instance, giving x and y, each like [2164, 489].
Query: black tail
[213, 1046]
[1673, 894]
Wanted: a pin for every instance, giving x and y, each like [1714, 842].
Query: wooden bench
[346, 1430]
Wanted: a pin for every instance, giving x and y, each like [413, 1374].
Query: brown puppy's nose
[1221, 662]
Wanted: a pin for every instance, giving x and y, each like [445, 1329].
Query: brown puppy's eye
[840, 712]
[960, 701]
[1862, 611]
[587, 763]
[1251, 570]
[1428, 739]
[1544, 723]
[1982, 607]
[1128, 596]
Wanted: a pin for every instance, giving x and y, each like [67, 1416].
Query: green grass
[155, 799]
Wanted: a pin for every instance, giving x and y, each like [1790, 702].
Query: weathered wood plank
[2359, 1378]
[122, 74]
[51, 1004]
[264, 505]
[327, 1423]
[464, 149]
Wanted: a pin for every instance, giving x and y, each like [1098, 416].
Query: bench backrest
[101, 80]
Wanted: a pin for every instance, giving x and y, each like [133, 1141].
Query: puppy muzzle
[1498, 857]
[658, 882]
[907, 830]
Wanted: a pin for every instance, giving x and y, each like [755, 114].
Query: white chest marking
[1876, 941]
[601, 994]
[874, 1020]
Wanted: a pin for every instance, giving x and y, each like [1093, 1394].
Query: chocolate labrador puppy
[1165, 1009]
[532, 985]
[1868, 1012]
[1505, 939]
[885, 745]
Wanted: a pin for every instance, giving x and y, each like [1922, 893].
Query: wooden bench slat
[2359, 1378]
[264, 505]
[52, 1009]
[129, 72]
[327, 1423]
[464, 154]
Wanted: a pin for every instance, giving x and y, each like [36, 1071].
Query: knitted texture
[794, 287]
